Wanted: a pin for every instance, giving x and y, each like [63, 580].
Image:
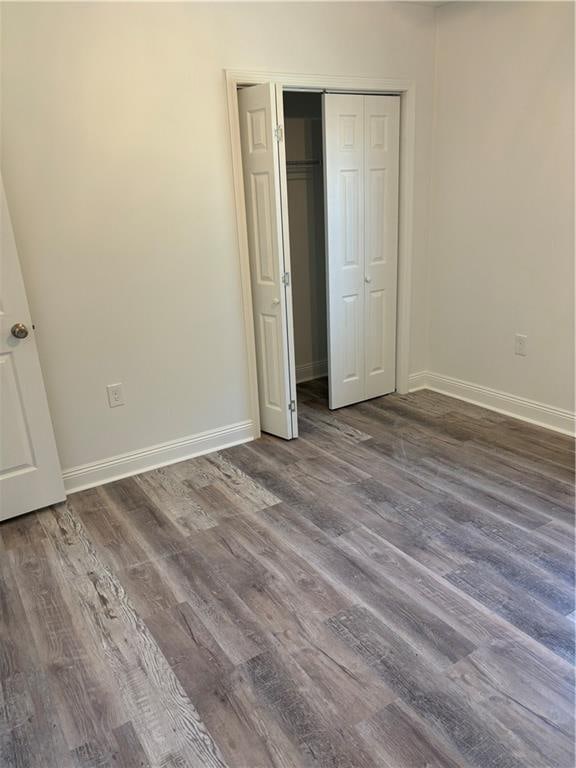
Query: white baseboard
[417, 381]
[310, 371]
[132, 463]
[549, 416]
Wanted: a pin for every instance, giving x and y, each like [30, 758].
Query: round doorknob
[368, 279]
[19, 331]
[275, 301]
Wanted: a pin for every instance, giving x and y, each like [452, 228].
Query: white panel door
[30, 476]
[266, 211]
[381, 153]
[361, 147]
[343, 116]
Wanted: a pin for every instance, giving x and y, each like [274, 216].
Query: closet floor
[392, 590]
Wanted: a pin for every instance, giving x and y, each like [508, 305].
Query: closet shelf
[300, 163]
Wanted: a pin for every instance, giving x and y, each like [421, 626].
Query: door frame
[404, 88]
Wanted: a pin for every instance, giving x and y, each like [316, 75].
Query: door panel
[269, 258]
[361, 146]
[270, 332]
[15, 447]
[382, 148]
[351, 232]
[376, 223]
[351, 338]
[376, 350]
[30, 476]
[343, 117]
[261, 201]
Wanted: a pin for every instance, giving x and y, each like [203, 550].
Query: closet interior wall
[303, 142]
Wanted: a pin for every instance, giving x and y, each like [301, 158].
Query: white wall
[117, 166]
[502, 200]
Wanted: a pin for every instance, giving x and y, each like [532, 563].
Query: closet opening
[303, 139]
[320, 172]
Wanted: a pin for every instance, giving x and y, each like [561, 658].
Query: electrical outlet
[521, 344]
[115, 395]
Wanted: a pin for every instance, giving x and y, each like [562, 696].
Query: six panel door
[361, 153]
[269, 259]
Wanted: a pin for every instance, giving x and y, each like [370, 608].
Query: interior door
[343, 116]
[361, 147]
[381, 153]
[30, 475]
[265, 186]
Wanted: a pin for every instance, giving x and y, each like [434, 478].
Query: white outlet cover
[521, 344]
[115, 394]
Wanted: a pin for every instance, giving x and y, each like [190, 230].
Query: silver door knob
[367, 279]
[19, 331]
[275, 301]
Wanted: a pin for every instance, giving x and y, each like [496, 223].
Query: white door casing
[30, 475]
[265, 188]
[361, 160]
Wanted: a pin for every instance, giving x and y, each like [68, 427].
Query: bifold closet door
[343, 116]
[265, 189]
[361, 148]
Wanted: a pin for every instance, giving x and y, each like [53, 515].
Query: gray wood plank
[430, 633]
[307, 727]
[443, 707]
[130, 752]
[146, 691]
[516, 606]
[401, 740]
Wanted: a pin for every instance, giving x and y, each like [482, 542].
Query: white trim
[132, 463]
[404, 88]
[549, 416]
[418, 381]
[310, 371]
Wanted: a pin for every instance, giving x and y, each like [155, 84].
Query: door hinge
[278, 133]
[286, 278]
[292, 405]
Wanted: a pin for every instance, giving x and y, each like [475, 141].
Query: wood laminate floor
[395, 589]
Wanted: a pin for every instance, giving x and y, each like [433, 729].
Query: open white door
[361, 160]
[30, 476]
[265, 186]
